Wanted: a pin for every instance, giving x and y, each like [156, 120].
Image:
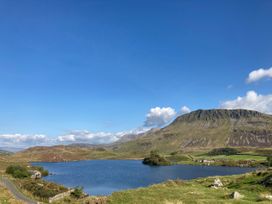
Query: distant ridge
[11, 149]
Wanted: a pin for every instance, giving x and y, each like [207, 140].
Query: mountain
[201, 129]
[207, 129]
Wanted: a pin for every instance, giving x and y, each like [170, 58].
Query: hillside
[207, 129]
[69, 153]
[198, 130]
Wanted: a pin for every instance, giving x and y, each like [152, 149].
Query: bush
[223, 151]
[78, 192]
[17, 171]
[38, 190]
[267, 181]
[41, 189]
[156, 160]
[269, 161]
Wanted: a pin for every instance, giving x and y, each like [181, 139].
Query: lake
[102, 177]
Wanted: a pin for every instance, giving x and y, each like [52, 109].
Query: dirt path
[14, 191]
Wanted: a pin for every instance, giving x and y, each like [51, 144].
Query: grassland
[250, 186]
[252, 158]
[71, 153]
[198, 191]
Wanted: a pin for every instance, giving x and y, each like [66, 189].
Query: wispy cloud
[77, 136]
[84, 136]
[259, 74]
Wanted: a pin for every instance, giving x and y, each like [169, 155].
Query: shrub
[78, 192]
[267, 181]
[42, 189]
[223, 151]
[17, 171]
[43, 193]
[174, 153]
[37, 190]
[269, 161]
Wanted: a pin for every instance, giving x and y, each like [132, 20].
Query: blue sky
[101, 65]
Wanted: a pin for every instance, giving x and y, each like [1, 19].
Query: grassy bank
[253, 187]
[199, 191]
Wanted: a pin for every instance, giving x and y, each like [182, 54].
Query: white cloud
[185, 110]
[252, 101]
[89, 137]
[159, 116]
[78, 136]
[84, 136]
[259, 74]
[156, 117]
[22, 140]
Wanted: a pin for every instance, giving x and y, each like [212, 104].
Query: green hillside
[205, 129]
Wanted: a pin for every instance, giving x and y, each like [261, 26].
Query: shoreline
[250, 169]
[149, 186]
[193, 163]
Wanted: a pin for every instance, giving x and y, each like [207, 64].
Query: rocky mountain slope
[207, 129]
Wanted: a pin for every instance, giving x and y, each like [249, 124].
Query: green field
[235, 157]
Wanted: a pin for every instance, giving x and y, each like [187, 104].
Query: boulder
[236, 195]
[217, 183]
[35, 174]
[266, 197]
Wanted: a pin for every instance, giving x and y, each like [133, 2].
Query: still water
[102, 177]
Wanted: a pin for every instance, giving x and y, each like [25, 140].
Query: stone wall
[60, 196]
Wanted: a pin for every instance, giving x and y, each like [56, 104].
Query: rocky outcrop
[219, 114]
[257, 137]
[217, 183]
[236, 195]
